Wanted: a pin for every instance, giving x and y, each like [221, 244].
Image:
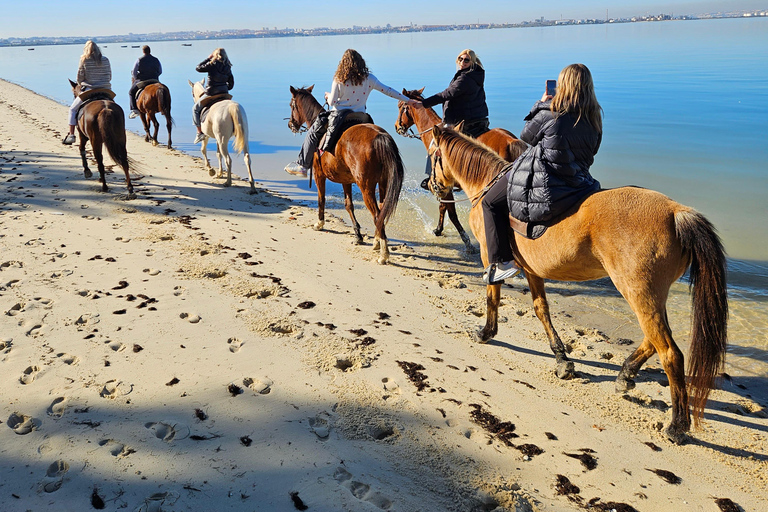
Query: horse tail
[164, 102]
[709, 303]
[241, 127]
[111, 123]
[387, 153]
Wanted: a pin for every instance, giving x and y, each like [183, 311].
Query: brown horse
[103, 123]
[642, 240]
[499, 140]
[366, 155]
[155, 99]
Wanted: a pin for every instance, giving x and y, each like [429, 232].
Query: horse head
[301, 99]
[405, 117]
[439, 184]
[198, 88]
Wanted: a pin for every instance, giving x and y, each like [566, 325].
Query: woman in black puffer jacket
[220, 81]
[552, 175]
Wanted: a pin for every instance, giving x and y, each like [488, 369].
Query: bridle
[294, 125]
[410, 133]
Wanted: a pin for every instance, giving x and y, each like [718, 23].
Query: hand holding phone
[551, 87]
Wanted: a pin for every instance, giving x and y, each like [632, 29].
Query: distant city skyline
[81, 18]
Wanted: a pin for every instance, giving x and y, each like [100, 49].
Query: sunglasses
[464, 59]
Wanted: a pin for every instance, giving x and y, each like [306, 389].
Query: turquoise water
[686, 113]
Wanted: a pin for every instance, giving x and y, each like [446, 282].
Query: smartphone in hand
[551, 87]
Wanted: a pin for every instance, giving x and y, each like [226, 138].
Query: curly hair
[576, 95]
[351, 68]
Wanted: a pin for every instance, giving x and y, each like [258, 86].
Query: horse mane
[477, 161]
[309, 104]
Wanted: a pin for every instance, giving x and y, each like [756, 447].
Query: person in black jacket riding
[220, 81]
[147, 67]
[464, 99]
[552, 175]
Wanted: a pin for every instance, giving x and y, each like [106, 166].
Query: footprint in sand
[116, 448]
[320, 424]
[5, 345]
[29, 374]
[234, 345]
[361, 490]
[391, 386]
[178, 290]
[261, 386]
[15, 309]
[87, 319]
[115, 345]
[22, 424]
[191, 318]
[114, 389]
[68, 358]
[151, 271]
[35, 330]
[58, 407]
[54, 476]
[166, 432]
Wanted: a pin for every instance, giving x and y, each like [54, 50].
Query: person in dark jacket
[552, 175]
[220, 81]
[464, 99]
[147, 67]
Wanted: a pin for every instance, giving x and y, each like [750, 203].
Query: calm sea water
[685, 104]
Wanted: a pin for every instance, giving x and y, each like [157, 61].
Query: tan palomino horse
[499, 140]
[103, 123]
[639, 238]
[155, 99]
[366, 155]
[225, 119]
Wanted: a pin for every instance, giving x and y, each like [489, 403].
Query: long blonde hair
[576, 96]
[221, 54]
[474, 60]
[351, 68]
[91, 51]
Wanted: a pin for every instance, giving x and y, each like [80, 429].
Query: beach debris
[196, 437]
[121, 285]
[234, 389]
[137, 348]
[550, 436]
[120, 312]
[586, 459]
[246, 441]
[358, 332]
[97, 501]
[413, 372]
[297, 501]
[667, 476]
[200, 415]
[172, 382]
[610, 506]
[503, 430]
[307, 304]
[726, 505]
[383, 316]
[652, 446]
[367, 341]
[529, 386]
[244, 255]
[529, 450]
[564, 486]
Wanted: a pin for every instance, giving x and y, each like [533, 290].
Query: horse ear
[73, 84]
[459, 127]
[309, 89]
[293, 90]
[405, 93]
[421, 91]
[190, 83]
[437, 131]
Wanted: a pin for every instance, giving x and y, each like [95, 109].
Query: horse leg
[492, 301]
[626, 378]
[156, 125]
[168, 124]
[250, 174]
[204, 151]
[96, 145]
[145, 121]
[83, 140]
[438, 231]
[350, 207]
[564, 368]
[320, 182]
[224, 160]
[380, 237]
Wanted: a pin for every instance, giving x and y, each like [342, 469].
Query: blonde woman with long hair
[564, 132]
[220, 81]
[93, 72]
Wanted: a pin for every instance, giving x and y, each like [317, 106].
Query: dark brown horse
[366, 155]
[155, 99]
[103, 123]
[642, 240]
[499, 140]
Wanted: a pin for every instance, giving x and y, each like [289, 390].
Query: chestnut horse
[103, 123]
[225, 118]
[499, 140]
[366, 155]
[639, 238]
[155, 99]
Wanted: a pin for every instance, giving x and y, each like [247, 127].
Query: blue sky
[110, 17]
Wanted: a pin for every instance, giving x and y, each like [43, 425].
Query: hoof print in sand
[191, 318]
[361, 490]
[5, 345]
[234, 345]
[166, 432]
[115, 448]
[68, 358]
[29, 374]
[151, 271]
[54, 476]
[22, 424]
[115, 388]
[58, 407]
[320, 424]
[116, 346]
[261, 386]
[391, 386]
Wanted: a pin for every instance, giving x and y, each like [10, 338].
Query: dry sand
[199, 348]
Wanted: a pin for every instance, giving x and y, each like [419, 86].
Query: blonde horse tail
[387, 153]
[241, 127]
[709, 302]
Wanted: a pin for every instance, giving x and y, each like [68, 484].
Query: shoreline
[270, 359]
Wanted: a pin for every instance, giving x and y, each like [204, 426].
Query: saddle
[144, 83]
[208, 102]
[340, 123]
[93, 95]
[530, 230]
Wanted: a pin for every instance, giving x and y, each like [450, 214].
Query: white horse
[225, 118]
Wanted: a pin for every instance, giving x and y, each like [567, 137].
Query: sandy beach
[200, 348]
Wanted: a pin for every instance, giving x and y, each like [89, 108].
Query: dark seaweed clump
[565, 487]
[413, 372]
[529, 449]
[587, 460]
[503, 430]
[667, 476]
[610, 506]
[297, 501]
[726, 505]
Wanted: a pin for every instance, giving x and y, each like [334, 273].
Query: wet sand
[200, 348]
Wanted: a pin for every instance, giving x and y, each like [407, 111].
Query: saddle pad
[144, 83]
[85, 95]
[210, 100]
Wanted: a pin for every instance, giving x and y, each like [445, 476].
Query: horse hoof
[252, 191]
[482, 337]
[318, 226]
[438, 232]
[675, 436]
[382, 261]
[228, 183]
[87, 173]
[211, 173]
[471, 249]
[155, 143]
[623, 385]
[565, 370]
[132, 195]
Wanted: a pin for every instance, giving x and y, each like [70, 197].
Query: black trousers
[496, 221]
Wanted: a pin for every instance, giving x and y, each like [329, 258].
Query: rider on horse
[94, 72]
[351, 86]
[147, 67]
[220, 80]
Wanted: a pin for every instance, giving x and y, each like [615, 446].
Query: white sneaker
[498, 272]
[69, 139]
[199, 138]
[296, 169]
[134, 114]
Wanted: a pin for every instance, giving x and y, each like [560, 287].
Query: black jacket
[464, 99]
[552, 175]
[149, 68]
[220, 79]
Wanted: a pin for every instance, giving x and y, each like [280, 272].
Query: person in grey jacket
[552, 175]
[93, 72]
[220, 81]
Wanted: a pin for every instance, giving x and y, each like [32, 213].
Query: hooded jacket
[464, 99]
[552, 175]
[220, 79]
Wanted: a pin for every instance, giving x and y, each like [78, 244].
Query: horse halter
[409, 132]
[293, 124]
